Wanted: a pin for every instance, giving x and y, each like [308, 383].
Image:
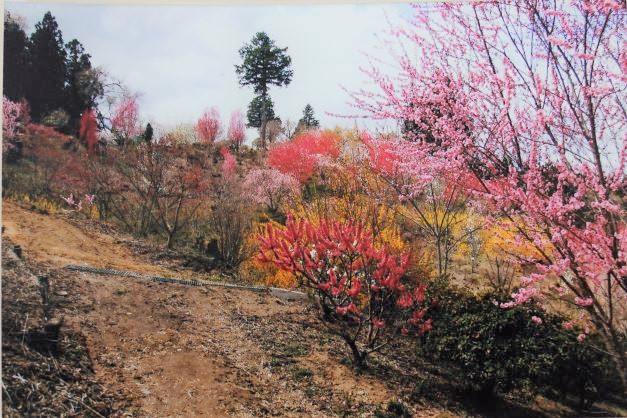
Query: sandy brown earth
[53, 241]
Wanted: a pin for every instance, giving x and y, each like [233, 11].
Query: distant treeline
[55, 78]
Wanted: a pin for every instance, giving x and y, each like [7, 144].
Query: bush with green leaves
[499, 350]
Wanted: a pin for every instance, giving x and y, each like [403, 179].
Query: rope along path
[281, 293]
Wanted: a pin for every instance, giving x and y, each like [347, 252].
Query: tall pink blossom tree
[209, 126]
[12, 114]
[125, 120]
[270, 187]
[526, 102]
[237, 129]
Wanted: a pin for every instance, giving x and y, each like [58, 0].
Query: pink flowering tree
[12, 112]
[125, 120]
[363, 292]
[270, 187]
[77, 204]
[237, 129]
[527, 100]
[436, 195]
[209, 126]
[229, 165]
[14, 115]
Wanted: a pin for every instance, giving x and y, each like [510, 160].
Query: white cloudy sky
[181, 58]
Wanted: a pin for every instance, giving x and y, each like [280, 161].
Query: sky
[181, 58]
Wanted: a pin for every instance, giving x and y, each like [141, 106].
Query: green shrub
[498, 350]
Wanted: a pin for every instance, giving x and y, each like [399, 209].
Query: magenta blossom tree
[526, 102]
[125, 120]
[237, 129]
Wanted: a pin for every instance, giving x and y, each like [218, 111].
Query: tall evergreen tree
[308, 120]
[80, 92]
[46, 84]
[256, 109]
[264, 64]
[15, 59]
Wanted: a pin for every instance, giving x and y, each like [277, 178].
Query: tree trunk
[264, 119]
[617, 350]
[359, 358]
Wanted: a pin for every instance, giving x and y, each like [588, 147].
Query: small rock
[61, 293]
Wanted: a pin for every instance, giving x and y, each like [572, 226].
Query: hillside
[172, 350]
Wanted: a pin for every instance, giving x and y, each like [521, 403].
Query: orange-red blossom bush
[363, 292]
[304, 154]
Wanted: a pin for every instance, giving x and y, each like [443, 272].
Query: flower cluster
[77, 205]
[361, 284]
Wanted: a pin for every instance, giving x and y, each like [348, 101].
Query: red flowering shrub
[209, 126]
[363, 292]
[88, 130]
[303, 155]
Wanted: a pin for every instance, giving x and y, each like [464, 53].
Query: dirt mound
[53, 241]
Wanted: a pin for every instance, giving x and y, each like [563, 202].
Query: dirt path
[186, 351]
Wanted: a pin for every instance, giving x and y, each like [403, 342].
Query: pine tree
[83, 85]
[264, 64]
[308, 119]
[47, 78]
[255, 113]
[15, 59]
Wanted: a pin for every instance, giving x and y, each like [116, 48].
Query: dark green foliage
[498, 350]
[15, 59]
[255, 111]
[308, 120]
[83, 83]
[56, 79]
[263, 65]
[48, 68]
[148, 133]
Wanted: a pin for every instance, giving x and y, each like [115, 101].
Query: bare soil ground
[136, 348]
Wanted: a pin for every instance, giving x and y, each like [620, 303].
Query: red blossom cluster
[209, 126]
[304, 154]
[88, 130]
[365, 287]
